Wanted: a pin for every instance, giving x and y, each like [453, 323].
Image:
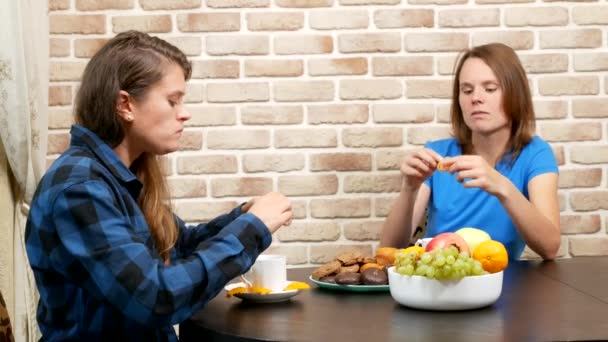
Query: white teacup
[269, 271]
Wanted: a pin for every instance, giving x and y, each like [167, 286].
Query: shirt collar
[83, 137]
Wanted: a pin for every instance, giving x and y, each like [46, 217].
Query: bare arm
[409, 207]
[537, 219]
[404, 217]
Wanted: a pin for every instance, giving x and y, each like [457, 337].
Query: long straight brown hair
[516, 97]
[132, 61]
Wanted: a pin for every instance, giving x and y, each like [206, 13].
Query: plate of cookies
[350, 288]
[355, 272]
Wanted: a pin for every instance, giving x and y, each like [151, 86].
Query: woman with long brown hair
[110, 258]
[502, 178]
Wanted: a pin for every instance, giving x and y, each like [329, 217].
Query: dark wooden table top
[587, 274]
[541, 301]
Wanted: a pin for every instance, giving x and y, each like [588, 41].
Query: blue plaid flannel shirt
[97, 271]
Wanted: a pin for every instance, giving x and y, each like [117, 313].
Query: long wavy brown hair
[132, 61]
[516, 97]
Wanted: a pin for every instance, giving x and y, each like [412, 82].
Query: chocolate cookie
[374, 276]
[348, 278]
[329, 279]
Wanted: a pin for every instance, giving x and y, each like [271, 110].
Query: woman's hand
[417, 166]
[274, 209]
[478, 172]
[245, 208]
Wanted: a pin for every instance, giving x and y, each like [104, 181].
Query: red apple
[445, 240]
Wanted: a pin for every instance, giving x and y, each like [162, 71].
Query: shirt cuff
[259, 229]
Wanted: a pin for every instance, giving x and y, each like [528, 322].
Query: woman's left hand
[474, 172]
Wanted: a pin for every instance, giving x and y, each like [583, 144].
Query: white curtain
[24, 51]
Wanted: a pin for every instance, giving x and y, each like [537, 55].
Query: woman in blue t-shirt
[500, 177]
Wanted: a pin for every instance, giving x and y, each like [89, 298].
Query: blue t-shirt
[452, 206]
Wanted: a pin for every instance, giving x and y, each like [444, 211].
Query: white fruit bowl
[431, 294]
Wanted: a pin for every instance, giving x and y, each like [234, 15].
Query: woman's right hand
[417, 166]
[274, 209]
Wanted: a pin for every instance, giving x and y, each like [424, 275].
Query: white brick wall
[325, 97]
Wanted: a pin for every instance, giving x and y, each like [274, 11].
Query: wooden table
[587, 274]
[541, 301]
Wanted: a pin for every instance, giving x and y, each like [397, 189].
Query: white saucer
[273, 297]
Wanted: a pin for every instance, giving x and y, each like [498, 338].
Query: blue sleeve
[190, 236]
[542, 160]
[104, 255]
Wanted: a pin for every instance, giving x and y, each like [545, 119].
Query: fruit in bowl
[445, 240]
[473, 236]
[439, 263]
[446, 277]
[420, 292]
[492, 255]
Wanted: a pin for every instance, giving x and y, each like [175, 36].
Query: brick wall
[319, 99]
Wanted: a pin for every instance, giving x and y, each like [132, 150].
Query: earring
[129, 117]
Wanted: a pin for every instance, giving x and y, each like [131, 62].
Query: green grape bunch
[440, 263]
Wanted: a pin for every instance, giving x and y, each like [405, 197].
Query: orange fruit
[296, 285]
[236, 290]
[492, 255]
[442, 167]
[259, 290]
[370, 265]
[416, 249]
